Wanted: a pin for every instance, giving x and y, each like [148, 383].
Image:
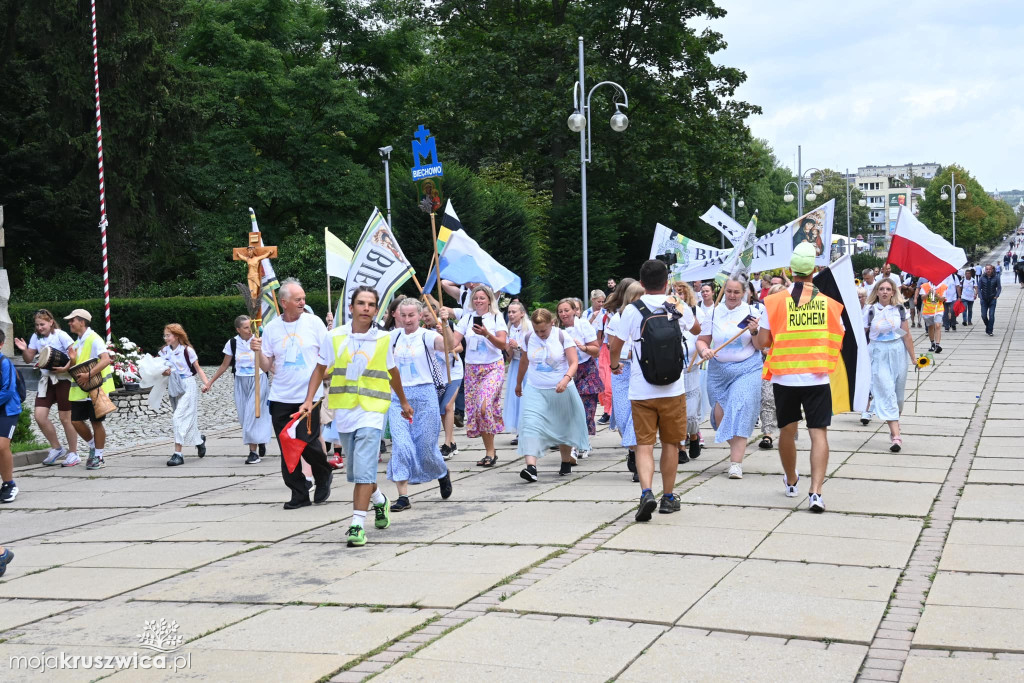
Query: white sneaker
[735, 471]
[574, 454]
[71, 460]
[582, 455]
[54, 455]
[865, 418]
[815, 503]
[791, 491]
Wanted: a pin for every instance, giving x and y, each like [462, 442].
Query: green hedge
[207, 320]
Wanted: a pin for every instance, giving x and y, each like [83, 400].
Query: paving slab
[33, 556]
[983, 546]
[991, 501]
[767, 462]
[599, 650]
[822, 601]
[752, 490]
[540, 522]
[21, 524]
[969, 628]
[17, 612]
[878, 497]
[339, 630]
[727, 660]
[936, 462]
[593, 586]
[81, 583]
[162, 555]
[998, 447]
[430, 576]
[978, 590]
[920, 669]
[423, 523]
[238, 666]
[701, 530]
[842, 539]
[914, 444]
[876, 473]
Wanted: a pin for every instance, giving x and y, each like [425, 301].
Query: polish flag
[919, 251]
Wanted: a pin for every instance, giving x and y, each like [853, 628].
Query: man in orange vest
[803, 330]
[933, 298]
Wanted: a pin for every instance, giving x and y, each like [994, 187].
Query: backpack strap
[234, 352]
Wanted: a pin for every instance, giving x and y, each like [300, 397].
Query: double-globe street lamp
[579, 122]
[953, 192]
[803, 179]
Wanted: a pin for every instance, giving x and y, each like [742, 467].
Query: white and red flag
[919, 251]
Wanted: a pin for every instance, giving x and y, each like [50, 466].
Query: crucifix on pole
[253, 255]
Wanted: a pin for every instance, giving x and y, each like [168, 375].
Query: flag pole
[440, 299]
[99, 160]
[437, 317]
[330, 308]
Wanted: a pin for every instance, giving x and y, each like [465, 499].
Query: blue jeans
[988, 313]
[968, 312]
[948, 316]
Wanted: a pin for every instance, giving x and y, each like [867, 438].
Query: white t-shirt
[58, 339]
[884, 323]
[518, 333]
[548, 363]
[610, 330]
[479, 351]
[410, 353]
[99, 347]
[806, 379]
[970, 291]
[894, 279]
[628, 330]
[951, 282]
[294, 349]
[181, 358]
[348, 421]
[245, 358]
[723, 324]
[583, 332]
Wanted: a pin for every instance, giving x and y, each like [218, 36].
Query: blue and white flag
[462, 260]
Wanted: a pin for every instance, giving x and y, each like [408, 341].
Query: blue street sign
[424, 156]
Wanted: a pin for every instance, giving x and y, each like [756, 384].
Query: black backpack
[19, 381]
[662, 356]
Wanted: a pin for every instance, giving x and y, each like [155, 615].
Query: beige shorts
[665, 416]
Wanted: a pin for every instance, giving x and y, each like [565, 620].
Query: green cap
[802, 261]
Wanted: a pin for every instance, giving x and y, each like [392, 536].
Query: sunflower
[923, 362]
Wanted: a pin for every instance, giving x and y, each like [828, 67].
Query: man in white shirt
[891, 276]
[868, 278]
[656, 408]
[289, 348]
[953, 289]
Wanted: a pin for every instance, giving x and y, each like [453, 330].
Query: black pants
[280, 415]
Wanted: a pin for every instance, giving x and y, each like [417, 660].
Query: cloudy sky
[875, 82]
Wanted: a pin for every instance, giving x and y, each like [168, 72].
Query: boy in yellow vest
[89, 345]
[932, 310]
[803, 330]
[363, 375]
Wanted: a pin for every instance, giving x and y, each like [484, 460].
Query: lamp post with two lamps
[579, 122]
[953, 192]
[803, 179]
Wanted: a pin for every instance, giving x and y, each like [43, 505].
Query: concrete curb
[26, 458]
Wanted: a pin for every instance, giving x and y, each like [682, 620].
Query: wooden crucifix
[253, 255]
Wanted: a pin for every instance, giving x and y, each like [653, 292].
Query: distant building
[901, 171]
[885, 194]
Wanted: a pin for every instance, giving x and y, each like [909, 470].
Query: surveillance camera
[385, 151]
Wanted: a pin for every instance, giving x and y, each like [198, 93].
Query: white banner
[378, 263]
[815, 227]
[689, 254]
[724, 223]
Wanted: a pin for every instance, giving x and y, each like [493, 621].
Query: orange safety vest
[805, 339]
[934, 298]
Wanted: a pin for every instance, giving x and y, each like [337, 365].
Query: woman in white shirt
[415, 457]
[182, 365]
[53, 388]
[969, 295]
[256, 431]
[552, 412]
[625, 293]
[518, 327]
[889, 339]
[734, 371]
[588, 377]
[484, 333]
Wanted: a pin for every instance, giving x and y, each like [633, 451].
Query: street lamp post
[953, 192]
[803, 179]
[732, 195]
[385, 155]
[579, 122]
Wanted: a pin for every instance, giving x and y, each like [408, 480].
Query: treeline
[210, 107]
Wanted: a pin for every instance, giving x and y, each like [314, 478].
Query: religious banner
[378, 262]
[815, 228]
[682, 254]
[724, 223]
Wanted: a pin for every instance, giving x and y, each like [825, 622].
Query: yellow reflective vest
[84, 346]
[372, 391]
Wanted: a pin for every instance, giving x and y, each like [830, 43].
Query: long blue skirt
[888, 378]
[512, 409]
[622, 411]
[551, 419]
[415, 456]
[737, 388]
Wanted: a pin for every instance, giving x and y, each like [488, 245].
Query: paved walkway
[915, 573]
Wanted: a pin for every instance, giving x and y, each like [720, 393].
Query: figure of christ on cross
[252, 255]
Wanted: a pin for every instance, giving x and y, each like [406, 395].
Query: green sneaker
[383, 514]
[356, 536]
